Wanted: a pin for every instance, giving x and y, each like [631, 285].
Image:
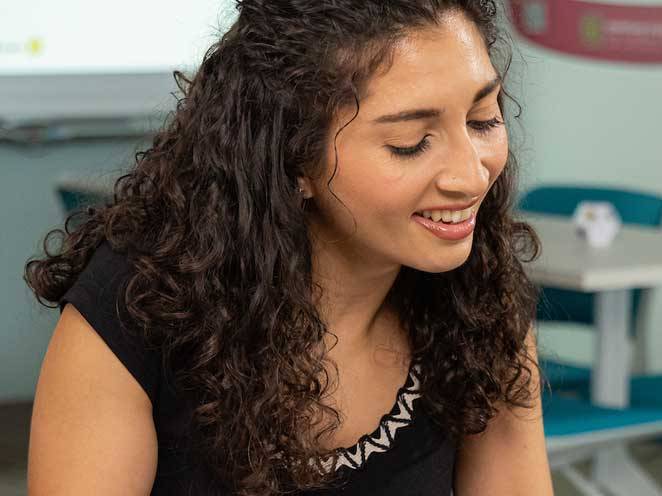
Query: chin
[445, 259]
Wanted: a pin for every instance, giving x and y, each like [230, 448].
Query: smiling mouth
[447, 217]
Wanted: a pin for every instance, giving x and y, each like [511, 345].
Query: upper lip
[455, 206]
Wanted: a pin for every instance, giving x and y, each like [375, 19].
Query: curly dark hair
[231, 305]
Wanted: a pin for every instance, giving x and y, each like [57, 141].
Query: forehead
[440, 63]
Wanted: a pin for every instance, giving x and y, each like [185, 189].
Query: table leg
[614, 469]
[611, 385]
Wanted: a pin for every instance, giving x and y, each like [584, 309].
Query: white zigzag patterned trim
[357, 455]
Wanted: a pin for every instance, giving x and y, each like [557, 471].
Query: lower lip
[448, 231]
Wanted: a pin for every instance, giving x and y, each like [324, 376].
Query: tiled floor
[648, 454]
[15, 428]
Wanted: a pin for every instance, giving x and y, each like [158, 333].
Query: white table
[633, 260]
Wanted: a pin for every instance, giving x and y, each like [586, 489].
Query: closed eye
[411, 151]
[485, 127]
[481, 127]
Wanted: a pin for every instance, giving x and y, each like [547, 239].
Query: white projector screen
[77, 58]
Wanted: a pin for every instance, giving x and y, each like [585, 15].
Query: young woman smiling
[311, 281]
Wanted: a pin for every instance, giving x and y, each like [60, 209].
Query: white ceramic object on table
[597, 222]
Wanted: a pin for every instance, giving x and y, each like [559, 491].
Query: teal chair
[561, 305]
[576, 429]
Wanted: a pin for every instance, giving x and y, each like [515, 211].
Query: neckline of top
[382, 437]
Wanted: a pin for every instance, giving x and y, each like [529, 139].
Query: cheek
[496, 154]
[369, 180]
[365, 185]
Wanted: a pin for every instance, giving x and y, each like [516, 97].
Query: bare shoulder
[92, 430]
[509, 458]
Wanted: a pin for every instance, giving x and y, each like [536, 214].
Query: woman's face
[456, 155]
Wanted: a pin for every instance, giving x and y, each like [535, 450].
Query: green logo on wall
[590, 30]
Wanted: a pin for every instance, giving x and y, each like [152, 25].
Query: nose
[462, 177]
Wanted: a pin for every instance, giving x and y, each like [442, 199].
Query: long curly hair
[215, 231]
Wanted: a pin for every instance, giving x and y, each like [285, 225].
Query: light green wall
[592, 121]
[28, 209]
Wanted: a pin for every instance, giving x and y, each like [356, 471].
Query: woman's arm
[509, 458]
[92, 431]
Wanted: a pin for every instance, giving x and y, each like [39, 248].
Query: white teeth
[447, 216]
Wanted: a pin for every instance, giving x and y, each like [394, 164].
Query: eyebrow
[431, 113]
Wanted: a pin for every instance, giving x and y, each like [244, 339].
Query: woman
[278, 299]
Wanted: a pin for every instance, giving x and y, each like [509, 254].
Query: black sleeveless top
[406, 454]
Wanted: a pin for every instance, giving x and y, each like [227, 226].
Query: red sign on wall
[625, 33]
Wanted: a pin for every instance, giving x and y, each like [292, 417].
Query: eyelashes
[412, 151]
[481, 127]
[484, 127]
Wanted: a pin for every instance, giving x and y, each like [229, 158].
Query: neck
[353, 303]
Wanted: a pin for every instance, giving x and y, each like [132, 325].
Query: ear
[306, 186]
